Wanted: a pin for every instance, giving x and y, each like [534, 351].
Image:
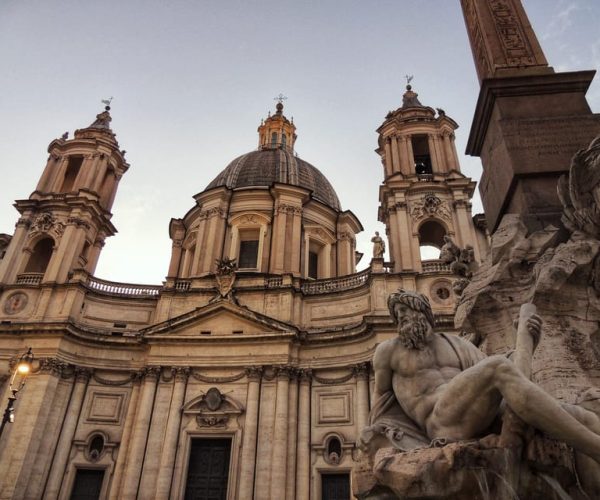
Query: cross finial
[408, 79]
[280, 98]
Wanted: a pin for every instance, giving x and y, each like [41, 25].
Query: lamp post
[23, 368]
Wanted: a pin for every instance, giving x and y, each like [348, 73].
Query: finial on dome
[280, 98]
[410, 99]
[106, 103]
[103, 119]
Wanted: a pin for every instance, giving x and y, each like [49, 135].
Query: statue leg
[469, 403]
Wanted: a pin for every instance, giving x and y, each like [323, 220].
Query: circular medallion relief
[441, 292]
[15, 303]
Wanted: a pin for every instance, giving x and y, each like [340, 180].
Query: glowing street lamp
[23, 369]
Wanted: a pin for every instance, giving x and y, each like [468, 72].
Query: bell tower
[424, 195]
[65, 221]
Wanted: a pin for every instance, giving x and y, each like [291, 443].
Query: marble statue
[434, 388]
[378, 246]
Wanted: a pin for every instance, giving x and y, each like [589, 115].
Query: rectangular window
[208, 469]
[248, 254]
[335, 487]
[313, 265]
[87, 484]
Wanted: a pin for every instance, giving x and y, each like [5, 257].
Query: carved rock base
[469, 471]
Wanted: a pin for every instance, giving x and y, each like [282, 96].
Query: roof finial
[280, 98]
[408, 80]
[106, 103]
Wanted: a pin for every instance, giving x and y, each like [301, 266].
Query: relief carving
[46, 223]
[430, 206]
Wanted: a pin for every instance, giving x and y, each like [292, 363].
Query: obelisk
[529, 120]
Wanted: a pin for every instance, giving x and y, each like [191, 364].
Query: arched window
[431, 239]
[40, 257]
[274, 139]
[283, 140]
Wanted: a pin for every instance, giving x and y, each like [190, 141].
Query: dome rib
[268, 166]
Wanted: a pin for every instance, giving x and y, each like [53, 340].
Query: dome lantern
[276, 131]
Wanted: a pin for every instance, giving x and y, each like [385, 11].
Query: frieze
[105, 381]
[218, 380]
[333, 381]
[211, 212]
[283, 208]
[76, 221]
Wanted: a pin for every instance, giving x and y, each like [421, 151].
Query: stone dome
[276, 165]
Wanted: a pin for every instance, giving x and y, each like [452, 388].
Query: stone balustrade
[29, 278]
[435, 266]
[336, 284]
[114, 288]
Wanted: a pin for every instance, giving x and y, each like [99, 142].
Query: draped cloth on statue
[389, 419]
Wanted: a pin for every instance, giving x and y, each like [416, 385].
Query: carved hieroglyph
[501, 36]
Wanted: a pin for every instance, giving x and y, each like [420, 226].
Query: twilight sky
[191, 81]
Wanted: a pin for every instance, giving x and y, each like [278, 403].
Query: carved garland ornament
[430, 206]
[46, 223]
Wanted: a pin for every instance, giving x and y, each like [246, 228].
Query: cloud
[560, 22]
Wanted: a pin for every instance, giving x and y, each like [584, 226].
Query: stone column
[133, 468]
[100, 173]
[435, 166]
[59, 177]
[115, 490]
[280, 434]
[361, 372]
[295, 243]
[388, 166]
[63, 448]
[395, 159]
[278, 238]
[23, 438]
[88, 170]
[292, 436]
[303, 464]
[45, 178]
[442, 163]
[449, 153]
[10, 265]
[410, 155]
[248, 458]
[169, 450]
[198, 249]
[405, 165]
[176, 249]
[455, 162]
[405, 238]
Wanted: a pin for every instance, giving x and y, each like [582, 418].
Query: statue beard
[413, 335]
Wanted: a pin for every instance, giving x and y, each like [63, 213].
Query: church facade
[247, 374]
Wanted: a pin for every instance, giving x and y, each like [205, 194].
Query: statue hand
[534, 327]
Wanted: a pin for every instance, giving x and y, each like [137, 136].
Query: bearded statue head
[413, 333]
